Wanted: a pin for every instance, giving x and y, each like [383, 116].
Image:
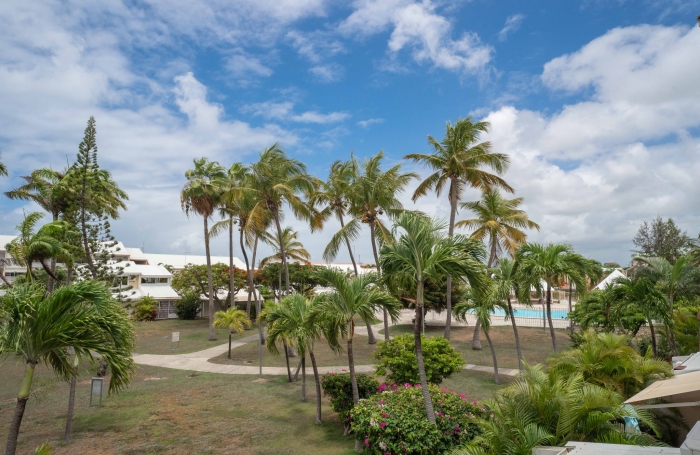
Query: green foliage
[600, 310]
[232, 319]
[44, 449]
[397, 359]
[550, 408]
[607, 360]
[394, 421]
[188, 306]
[686, 330]
[144, 310]
[339, 388]
[193, 279]
[661, 239]
[302, 278]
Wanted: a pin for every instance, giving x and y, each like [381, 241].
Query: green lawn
[154, 337]
[248, 355]
[535, 344]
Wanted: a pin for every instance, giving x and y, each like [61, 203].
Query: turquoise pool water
[533, 313]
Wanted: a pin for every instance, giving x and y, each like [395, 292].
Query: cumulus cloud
[418, 27]
[512, 25]
[331, 72]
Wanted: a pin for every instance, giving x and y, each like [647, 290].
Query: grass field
[535, 344]
[154, 337]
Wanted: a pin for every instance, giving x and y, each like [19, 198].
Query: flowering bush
[394, 421]
[339, 388]
[398, 358]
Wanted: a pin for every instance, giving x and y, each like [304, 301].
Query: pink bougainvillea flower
[382, 424]
[367, 442]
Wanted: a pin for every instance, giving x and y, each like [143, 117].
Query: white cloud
[417, 26]
[284, 111]
[327, 73]
[512, 25]
[370, 121]
[315, 46]
[246, 67]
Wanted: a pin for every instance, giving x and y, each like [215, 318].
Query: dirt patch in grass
[155, 337]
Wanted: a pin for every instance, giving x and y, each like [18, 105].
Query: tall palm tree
[424, 252]
[538, 262]
[352, 296]
[500, 223]
[294, 320]
[3, 168]
[233, 320]
[201, 195]
[483, 304]
[641, 294]
[678, 280]
[40, 327]
[46, 244]
[277, 179]
[374, 192]
[460, 159]
[292, 247]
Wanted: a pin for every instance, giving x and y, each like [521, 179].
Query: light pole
[258, 304]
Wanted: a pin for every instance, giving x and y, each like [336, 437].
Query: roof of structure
[609, 279]
[686, 383]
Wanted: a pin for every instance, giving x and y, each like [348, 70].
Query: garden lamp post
[258, 304]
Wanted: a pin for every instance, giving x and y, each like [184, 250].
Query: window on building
[163, 280]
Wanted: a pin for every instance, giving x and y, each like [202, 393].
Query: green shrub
[397, 359]
[339, 388]
[395, 422]
[188, 306]
[145, 309]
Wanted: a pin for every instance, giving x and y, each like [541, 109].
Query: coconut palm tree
[374, 192]
[460, 160]
[424, 252]
[483, 304]
[40, 328]
[642, 295]
[547, 408]
[233, 320]
[538, 262]
[678, 280]
[352, 296]
[277, 179]
[3, 168]
[46, 244]
[294, 320]
[201, 195]
[292, 247]
[500, 224]
[608, 360]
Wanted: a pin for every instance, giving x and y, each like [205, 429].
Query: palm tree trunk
[22, 398]
[229, 344]
[347, 242]
[2, 274]
[286, 358]
[248, 271]
[212, 331]
[231, 269]
[476, 342]
[515, 332]
[419, 355]
[450, 232]
[493, 355]
[376, 261]
[549, 314]
[671, 336]
[571, 321]
[353, 382]
[653, 336]
[71, 407]
[303, 378]
[317, 379]
[52, 276]
[69, 275]
[283, 253]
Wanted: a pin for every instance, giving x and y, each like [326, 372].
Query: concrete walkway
[199, 361]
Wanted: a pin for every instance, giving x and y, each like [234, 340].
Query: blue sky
[597, 102]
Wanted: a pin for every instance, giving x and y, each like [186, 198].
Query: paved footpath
[199, 361]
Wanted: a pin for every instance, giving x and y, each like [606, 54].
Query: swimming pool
[532, 313]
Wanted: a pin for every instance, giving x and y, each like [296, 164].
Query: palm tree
[200, 195]
[424, 252]
[44, 245]
[460, 159]
[277, 179]
[352, 296]
[678, 280]
[608, 360]
[483, 304]
[293, 319]
[549, 262]
[3, 168]
[499, 222]
[233, 320]
[546, 408]
[642, 295]
[292, 247]
[40, 327]
[373, 194]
